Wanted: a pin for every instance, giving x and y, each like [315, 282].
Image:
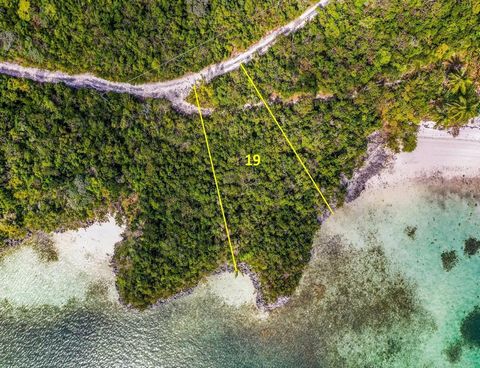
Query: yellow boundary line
[286, 138]
[216, 182]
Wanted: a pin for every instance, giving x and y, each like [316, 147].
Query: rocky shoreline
[259, 297]
[260, 302]
[377, 158]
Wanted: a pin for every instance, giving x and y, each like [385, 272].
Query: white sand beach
[232, 290]
[84, 255]
[83, 267]
[437, 153]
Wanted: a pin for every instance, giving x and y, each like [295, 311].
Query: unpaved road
[175, 90]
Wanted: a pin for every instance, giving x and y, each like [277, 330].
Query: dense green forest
[67, 156]
[412, 60]
[144, 40]
[71, 155]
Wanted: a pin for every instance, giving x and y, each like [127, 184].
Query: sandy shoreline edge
[438, 154]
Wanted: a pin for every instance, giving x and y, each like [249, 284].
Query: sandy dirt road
[175, 90]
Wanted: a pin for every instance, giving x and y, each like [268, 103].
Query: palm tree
[458, 81]
[462, 110]
[454, 64]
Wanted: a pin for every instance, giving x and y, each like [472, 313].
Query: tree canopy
[68, 156]
[140, 40]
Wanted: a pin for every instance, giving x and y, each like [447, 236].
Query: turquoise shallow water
[375, 295]
[413, 226]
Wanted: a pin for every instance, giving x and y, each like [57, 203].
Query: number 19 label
[253, 160]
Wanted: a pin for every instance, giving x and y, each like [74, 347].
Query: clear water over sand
[376, 294]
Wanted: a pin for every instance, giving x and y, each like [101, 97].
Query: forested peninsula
[68, 156]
